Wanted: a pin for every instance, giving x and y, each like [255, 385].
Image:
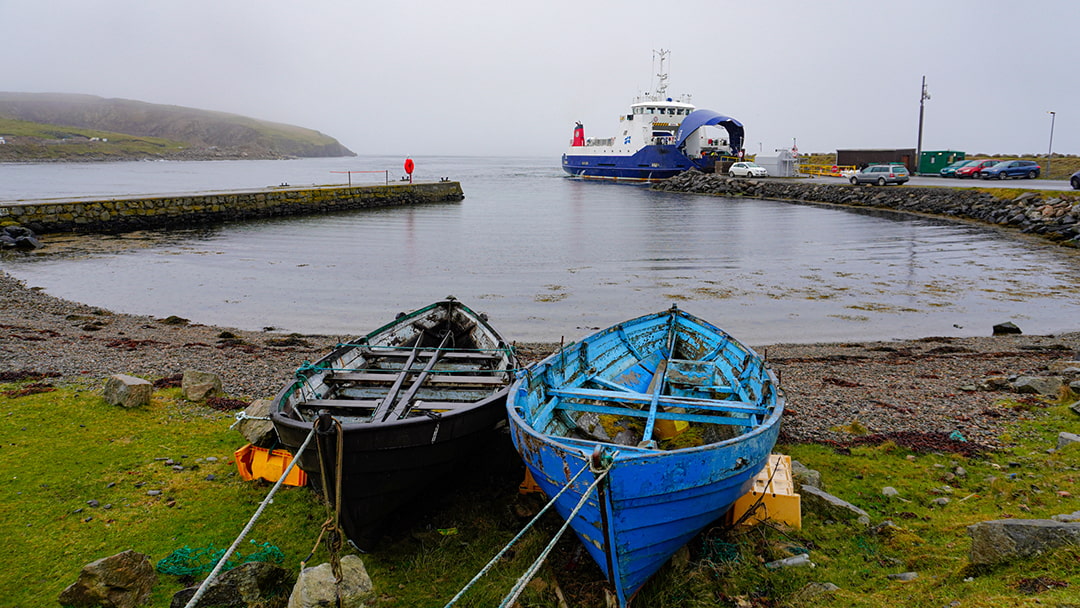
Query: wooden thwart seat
[391, 376]
[371, 404]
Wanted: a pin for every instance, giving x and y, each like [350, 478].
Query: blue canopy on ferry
[704, 118]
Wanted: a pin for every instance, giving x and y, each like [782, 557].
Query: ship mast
[662, 76]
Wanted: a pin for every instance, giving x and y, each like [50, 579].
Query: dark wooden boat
[657, 425]
[410, 401]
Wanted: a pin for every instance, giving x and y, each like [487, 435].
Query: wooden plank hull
[411, 405]
[655, 498]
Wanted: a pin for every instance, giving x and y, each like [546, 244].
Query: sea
[546, 257]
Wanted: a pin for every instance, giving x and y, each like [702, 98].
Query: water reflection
[549, 257]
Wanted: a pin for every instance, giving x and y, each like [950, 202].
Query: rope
[514, 540]
[241, 416]
[519, 587]
[333, 512]
[236, 543]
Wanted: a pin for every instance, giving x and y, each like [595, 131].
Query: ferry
[660, 137]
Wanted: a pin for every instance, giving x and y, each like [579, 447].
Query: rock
[123, 580]
[1076, 406]
[1005, 540]
[904, 576]
[803, 475]
[1074, 516]
[1065, 439]
[940, 502]
[1008, 327]
[1049, 386]
[1064, 367]
[889, 491]
[825, 505]
[316, 587]
[200, 385]
[127, 391]
[259, 433]
[994, 383]
[252, 583]
[802, 559]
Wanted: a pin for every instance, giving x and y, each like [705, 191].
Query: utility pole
[922, 98]
[1050, 150]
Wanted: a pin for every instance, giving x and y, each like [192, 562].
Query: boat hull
[652, 502]
[649, 164]
[384, 465]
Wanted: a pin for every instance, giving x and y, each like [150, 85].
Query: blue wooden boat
[676, 416]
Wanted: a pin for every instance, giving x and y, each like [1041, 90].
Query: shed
[862, 158]
[781, 165]
[932, 162]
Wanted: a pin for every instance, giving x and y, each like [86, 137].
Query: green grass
[63, 448]
[53, 142]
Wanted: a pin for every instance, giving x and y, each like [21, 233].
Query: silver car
[881, 175]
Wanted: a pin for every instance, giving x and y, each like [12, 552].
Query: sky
[509, 78]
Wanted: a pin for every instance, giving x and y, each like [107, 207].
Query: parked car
[1011, 168]
[881, 175]
[747, 169]
[1075, 180]
[973, 168]
[950, 171]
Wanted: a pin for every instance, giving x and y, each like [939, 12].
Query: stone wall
[137, 213]
[1053, 215]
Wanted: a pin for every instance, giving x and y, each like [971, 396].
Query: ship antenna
[661, 83]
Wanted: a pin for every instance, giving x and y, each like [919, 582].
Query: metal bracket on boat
[600, 459]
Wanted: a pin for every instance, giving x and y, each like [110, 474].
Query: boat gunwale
[633, 452]
[280, 400]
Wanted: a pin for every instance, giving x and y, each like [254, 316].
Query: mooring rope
[514, 540]
[251, 523]
[519, 586]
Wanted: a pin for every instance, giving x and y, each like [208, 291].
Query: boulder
[1065, 367]
[123, 580]
[1006, 328]
[200, 385]
[1049, 386]
[317, 587]
[253, 583]
[1065, 439]
[803, 475]
[1005, 540]
[127, 391]
[259, 433]
[825, 505]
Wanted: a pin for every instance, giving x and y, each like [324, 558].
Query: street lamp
[1050, 150]
[922, 99]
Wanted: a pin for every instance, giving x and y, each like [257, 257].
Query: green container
[931, 163]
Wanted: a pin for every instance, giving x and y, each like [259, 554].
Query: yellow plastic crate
[260, 463]
[779, 502]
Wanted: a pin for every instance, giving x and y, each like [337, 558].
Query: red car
[972, 169]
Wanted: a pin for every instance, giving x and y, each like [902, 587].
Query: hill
[58, 126]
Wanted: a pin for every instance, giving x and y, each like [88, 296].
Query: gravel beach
[926, 387]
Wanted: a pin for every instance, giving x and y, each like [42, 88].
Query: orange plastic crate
[260, 463]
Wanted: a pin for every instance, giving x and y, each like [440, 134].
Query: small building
[931, 163]
[863, 158]
[781, 165]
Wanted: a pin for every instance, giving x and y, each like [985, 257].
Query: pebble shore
[925, 386]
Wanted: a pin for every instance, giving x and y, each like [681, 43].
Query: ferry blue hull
[653, 501]
[650, 163]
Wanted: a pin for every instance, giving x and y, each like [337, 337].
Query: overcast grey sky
[504, 78]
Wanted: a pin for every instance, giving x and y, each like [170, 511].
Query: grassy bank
[65, 447]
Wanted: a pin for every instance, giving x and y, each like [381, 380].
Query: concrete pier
[129, 213]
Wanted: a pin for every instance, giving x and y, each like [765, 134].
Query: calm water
[546, 257]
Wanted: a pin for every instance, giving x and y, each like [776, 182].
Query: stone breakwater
[1053, 215]
[124, 214]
